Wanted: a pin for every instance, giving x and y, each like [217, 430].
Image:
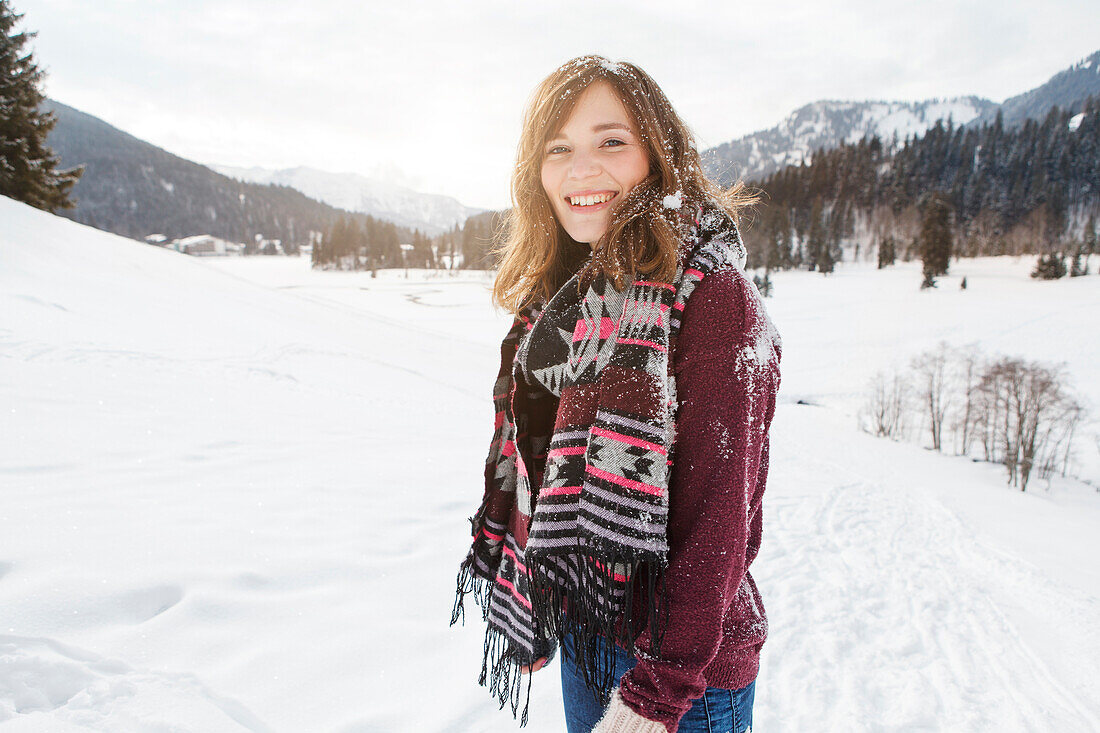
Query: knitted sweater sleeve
[727, 365]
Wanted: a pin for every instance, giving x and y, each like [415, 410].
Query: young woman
[637, 385]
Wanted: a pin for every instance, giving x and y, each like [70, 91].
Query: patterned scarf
[573, 519]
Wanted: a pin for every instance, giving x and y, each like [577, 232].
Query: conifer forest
[1029, 189]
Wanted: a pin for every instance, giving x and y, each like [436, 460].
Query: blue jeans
[717, 711]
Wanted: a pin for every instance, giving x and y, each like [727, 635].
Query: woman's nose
[584, 165]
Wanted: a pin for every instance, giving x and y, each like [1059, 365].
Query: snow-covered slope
[430, 213]
[234, 499]
[827, 124]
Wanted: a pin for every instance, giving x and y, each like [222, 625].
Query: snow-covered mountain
[430, 213]
[134, 188]
[1065, 89]
[828, 123]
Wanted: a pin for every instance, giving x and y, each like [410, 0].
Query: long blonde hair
[643, 236]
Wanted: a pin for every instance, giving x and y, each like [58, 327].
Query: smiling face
[592, 163]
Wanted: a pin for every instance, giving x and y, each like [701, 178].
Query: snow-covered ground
[234, 495]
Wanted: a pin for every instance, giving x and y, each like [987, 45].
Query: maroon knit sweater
[727, 385]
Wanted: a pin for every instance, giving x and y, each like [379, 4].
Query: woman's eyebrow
[610, 126]
[597, 128]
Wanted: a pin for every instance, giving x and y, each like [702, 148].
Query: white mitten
[620, 718]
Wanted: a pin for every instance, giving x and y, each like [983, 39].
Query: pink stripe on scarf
[556, 490]
[628, 483]
[515, 592]
[521, 566]
[628, 439]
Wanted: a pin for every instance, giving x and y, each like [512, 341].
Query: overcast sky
[433, 92]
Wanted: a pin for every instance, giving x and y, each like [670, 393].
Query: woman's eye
[557, 149]
[614, 142]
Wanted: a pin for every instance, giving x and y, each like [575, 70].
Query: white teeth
[591, 199]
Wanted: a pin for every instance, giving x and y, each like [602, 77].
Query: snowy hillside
[828, 124]
[430, 213]
[235, 495]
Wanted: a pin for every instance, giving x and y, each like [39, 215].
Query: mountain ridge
[431, 213]
[135, 188]
[828, 123]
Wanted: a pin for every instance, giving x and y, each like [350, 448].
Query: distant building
[158, 239]
[269, 246]
[205, 245]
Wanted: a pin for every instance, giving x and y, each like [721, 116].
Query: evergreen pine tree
[772, 256]
[358, 244]
[335, 242]
[816, 239]
[1050, 267]
[322, 248]
[367, 242]
[421, 255]
[346, 243]
[389, 245]
[929, 281]
[962, 285]
[783, 240]
[886, 251]
[827, 260]
[1076, 268]
[834, 235]
[469, 249]
[27, 166]
[935, 236]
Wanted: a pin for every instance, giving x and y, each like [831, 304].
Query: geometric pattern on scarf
[574, 513]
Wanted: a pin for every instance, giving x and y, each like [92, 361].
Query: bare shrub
[1022, 414]
[1028, 416]
[930, 381]
[884, 413]
[968, 367]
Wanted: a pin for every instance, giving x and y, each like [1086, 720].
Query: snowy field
[234, 497]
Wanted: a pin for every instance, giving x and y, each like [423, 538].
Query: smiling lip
[590, 207]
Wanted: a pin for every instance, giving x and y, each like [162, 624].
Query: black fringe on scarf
[588, 614]
[593, 616]
[501, 662]
[470, 583]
